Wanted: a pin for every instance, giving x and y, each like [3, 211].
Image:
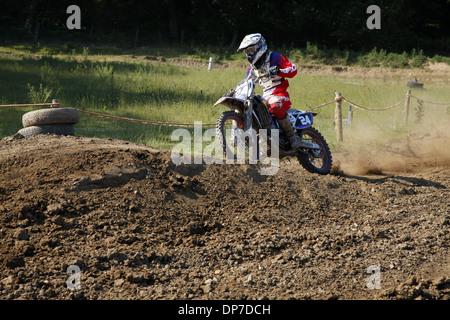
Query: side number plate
[304, 120]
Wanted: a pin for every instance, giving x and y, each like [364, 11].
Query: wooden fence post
[338, 117]
[408, 94]
[56, 101]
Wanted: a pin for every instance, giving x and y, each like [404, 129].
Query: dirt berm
[139, 227]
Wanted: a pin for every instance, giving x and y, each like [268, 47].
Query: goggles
[251, 49]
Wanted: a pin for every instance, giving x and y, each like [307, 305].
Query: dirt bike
[250, 111]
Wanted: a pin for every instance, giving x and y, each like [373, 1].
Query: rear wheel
[315, 161]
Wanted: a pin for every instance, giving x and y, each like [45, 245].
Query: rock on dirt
[139, 227]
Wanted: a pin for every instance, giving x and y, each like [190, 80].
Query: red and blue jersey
[273, 85]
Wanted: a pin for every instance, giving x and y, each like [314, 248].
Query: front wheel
[315, 161]
[227, 127]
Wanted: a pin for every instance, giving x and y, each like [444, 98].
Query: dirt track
[139, 227]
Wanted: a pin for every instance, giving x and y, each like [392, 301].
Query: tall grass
[114, 84]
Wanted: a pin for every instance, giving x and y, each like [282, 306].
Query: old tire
[58, 129]
[50, 116]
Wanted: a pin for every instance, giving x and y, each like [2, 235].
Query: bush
[395, 60]
[440, 59]
[417, 60]
[39, 95]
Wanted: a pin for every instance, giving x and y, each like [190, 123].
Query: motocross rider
[276, 68]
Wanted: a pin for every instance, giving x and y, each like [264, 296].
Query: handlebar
[262, 76]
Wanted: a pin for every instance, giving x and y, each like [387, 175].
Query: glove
[274, 71]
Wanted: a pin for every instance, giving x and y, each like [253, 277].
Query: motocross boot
[290, 132]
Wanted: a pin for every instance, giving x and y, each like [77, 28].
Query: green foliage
[381, 58]
[397, 60]
[440, 59]
[39, 95]
[417, 60]
[312, 52]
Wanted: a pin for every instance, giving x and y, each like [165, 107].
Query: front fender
[232, 103]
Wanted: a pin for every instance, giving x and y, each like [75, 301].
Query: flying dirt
[140, 227]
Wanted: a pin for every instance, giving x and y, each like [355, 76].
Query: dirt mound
[139, 227]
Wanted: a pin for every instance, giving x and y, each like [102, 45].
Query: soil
[140, 227]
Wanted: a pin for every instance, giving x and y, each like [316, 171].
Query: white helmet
[254, 47]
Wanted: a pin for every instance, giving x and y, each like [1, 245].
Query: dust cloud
[373, 150]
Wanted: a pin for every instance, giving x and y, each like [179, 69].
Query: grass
[125, 83]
